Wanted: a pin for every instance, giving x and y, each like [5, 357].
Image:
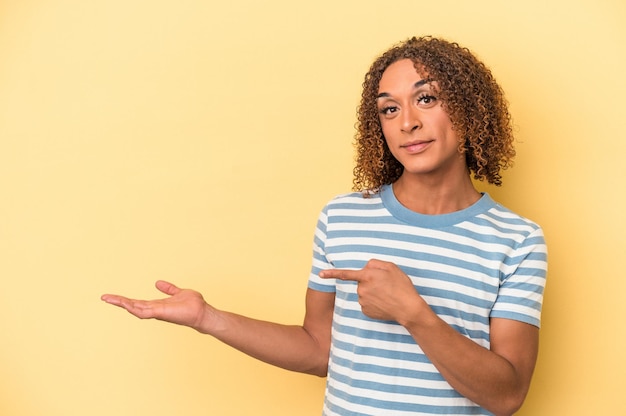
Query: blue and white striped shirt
[471, 265]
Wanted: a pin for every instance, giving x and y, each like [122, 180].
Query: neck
[434, 197]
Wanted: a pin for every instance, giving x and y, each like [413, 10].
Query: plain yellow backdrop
[196, 141]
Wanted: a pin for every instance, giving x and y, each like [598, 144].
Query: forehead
[401, 73]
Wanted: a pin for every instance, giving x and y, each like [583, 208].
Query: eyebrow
[418, 84]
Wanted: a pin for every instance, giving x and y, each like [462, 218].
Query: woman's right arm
[303, 348]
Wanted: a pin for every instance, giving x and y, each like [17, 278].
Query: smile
[416, 146]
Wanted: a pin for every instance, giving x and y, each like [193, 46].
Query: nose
[410, 120]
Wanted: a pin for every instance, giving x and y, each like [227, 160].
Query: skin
[420, 136]
[435, 181]
[304, 348]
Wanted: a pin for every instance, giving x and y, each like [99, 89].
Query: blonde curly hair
[470, 95]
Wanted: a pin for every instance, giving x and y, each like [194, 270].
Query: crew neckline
[404, 214]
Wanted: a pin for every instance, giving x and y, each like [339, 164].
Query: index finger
[341, 274]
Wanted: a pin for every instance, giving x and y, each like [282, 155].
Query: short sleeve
[520, 296]
[320, 262]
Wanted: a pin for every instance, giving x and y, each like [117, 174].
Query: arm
[497, 378]
[303, 348]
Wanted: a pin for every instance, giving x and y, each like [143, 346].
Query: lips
[416, 146]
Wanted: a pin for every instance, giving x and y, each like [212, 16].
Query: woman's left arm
[496, 379]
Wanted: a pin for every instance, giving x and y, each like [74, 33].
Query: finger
[167, 287]
[120, 301]
[139, 308]
[378, 264]
[341, 274]
[114, 299]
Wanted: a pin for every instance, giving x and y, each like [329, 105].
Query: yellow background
[196, 141]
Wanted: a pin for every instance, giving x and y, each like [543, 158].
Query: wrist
[416, 314]
[209, 322]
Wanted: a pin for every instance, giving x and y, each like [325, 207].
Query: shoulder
[351, 197]
[353, 203]
[506, 219]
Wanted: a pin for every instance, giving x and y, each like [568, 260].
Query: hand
[183, 307]
[385, 292]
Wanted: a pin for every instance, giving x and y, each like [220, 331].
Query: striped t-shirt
[470, 265]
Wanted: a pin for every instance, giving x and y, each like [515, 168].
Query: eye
[388, 110]
[426, 99]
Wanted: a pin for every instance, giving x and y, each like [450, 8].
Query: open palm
[183, 306]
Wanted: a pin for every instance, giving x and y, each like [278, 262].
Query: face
[417, 129]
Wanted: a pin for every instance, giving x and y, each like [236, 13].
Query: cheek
[445, 128]
[389, 140]
[392, 146]
[385, 127]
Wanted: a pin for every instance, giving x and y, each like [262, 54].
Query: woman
[425, 295]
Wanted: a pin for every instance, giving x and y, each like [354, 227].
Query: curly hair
[470, 95]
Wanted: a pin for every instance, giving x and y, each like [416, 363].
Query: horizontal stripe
[470, 266]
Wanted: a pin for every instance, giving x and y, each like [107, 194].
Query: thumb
[167, 287]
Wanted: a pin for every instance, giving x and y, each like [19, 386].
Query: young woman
[425, 295]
